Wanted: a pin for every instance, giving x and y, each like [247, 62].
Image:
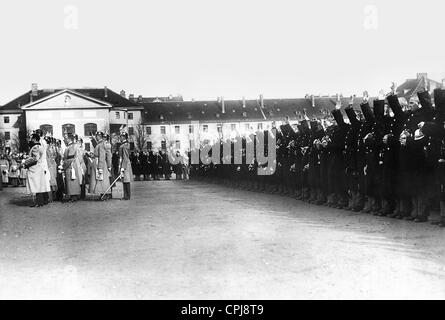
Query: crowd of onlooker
[12, 173]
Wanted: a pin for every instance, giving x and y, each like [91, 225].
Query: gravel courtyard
[192, 240]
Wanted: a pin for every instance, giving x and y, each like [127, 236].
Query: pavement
[195, 240]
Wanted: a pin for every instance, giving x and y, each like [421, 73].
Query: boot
[368, 205]
[423, 209]
[359, 202]
[396, 212]
[351, 201]
[298, 194]
[414, 211]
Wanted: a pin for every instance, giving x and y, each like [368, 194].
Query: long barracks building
[155, 123]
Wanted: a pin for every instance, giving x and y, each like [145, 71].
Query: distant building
[59, 111]
[152, 123]
[410, 87]
[185, 125]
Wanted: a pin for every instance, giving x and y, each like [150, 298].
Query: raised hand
[365, 96]
[393, 89]
[351, 100]
[305, 115]
[382, 95]
[338, 103]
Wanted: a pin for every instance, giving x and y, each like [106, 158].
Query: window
[233, 127]
[177, 129]
[205, 128]
[69, 128]
[190, 128]
[178, 144]
[163, 145]
[130, 131]
[87, 146]
[247, 126]
[125, 116]
[89, 129]
[260, 126]
[6, 119]
[7, 135]
[130, 116]
[118, 115]
[219, 128]
[46, 128]
[162, 129]
[149, 145]
[148, 130]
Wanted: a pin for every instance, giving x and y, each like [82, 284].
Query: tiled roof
[211, 111]
[111, 97]
[407, 89]
[162, 99]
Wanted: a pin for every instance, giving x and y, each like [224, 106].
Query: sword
[111, 185]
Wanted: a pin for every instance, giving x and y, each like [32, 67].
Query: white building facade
[60, 111]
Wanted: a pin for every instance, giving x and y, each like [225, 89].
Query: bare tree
[2, 142]
[140, 136]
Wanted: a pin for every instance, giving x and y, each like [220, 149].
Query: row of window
[205, 128]
[89, 128]
[130, 115]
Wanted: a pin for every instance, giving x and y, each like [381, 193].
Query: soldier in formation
[386, 158]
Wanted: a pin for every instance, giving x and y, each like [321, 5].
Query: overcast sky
[204, 49]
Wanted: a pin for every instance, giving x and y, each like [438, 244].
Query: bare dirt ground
[191, 240]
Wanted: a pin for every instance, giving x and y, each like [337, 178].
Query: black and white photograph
[209, 150]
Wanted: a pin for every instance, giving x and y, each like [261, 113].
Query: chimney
[131, 96]
[123, 94]
[105, 92]
[34, 90]
[313, 101]
[420, 76]
[140, 98]
[261, 101]
[244, 101]
[223, 109]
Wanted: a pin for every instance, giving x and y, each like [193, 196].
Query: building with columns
[58, 111]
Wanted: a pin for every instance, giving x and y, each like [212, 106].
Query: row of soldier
[56, 174]
[155, 165]
[387, 158]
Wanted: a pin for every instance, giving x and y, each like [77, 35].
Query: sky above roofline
[204, 49]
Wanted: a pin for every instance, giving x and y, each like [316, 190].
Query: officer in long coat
[125, 165]
[101, 168]
[82, 166]
[51, 154]
[36, 179]
[72, 169]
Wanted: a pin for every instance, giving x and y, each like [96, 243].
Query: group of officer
[387, 159]
[61, 173]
